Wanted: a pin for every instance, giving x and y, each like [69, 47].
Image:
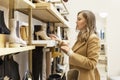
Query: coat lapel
[77, 45]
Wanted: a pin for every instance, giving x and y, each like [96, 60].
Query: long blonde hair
[90, 25]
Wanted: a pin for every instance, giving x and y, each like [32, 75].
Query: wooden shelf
[5, 51]
[18, 3]
[44, 43]
[61, 4]
[66, 24]
[24, 4]
[4, 3]
[46, 12]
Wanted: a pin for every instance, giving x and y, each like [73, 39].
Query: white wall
[75, 6]
[113, 39]
[112, 29]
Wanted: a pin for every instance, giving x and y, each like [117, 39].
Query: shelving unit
[6, 51]
[46, 12]
[18, 4]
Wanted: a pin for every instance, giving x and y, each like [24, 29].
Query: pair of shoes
[42, 35]
[40, 32]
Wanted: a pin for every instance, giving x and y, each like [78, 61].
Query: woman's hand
[54, 37]
[61, 42]
[65, 48]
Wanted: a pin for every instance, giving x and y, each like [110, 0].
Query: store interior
[24, 18]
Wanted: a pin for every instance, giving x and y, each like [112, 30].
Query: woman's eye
[78, 19]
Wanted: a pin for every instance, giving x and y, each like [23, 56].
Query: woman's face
[81, 22]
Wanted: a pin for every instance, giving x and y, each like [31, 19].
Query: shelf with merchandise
[17, 4]
[46, 12]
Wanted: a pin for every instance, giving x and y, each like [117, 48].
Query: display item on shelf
[14, 39]
[64, 34]
[37, 62]
[50, 29]
[3, 27]
[11, 68]
[24, 32]
[41, 33]
[59, 32]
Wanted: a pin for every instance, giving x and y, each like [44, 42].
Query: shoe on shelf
[24, 32]
[42, 35]
[14, 39]
[3, 27]
[40, 32]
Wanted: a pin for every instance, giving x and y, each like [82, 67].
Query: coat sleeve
[89, 61]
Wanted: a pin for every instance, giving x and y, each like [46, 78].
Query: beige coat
[85, 58]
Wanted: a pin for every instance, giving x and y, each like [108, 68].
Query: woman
[85, 52]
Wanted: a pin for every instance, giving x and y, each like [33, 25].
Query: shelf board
[4, 3]
[18, 3]
[24, 4]
[6, 51]
[46, 12]
[44, 43]
[66, 24]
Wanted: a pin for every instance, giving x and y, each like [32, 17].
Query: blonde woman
[85, 52]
